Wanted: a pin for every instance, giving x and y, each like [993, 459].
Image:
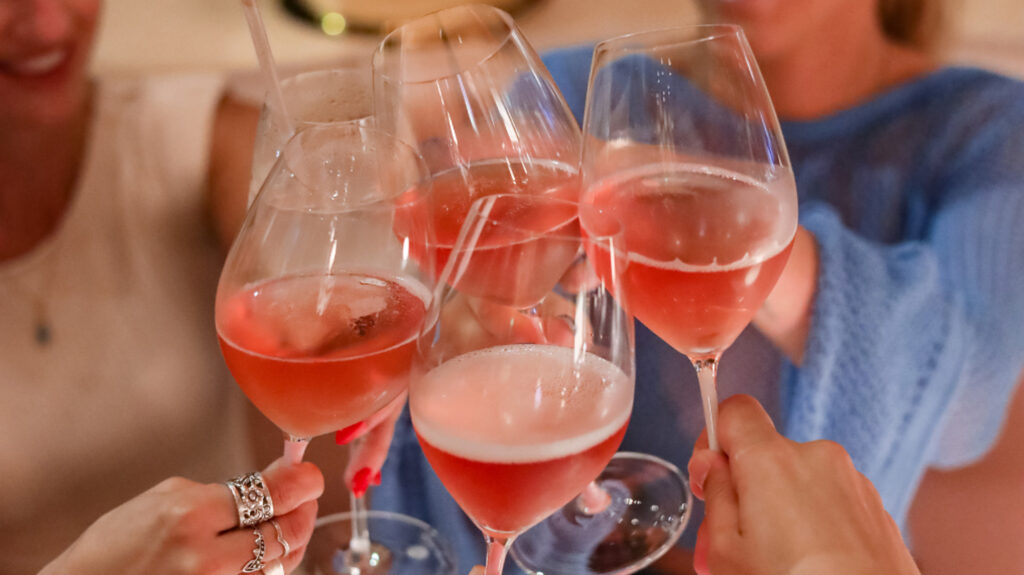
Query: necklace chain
[42, 263]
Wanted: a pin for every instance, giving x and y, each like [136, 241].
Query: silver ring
[252, 499]
[280, 538]
[256, 563]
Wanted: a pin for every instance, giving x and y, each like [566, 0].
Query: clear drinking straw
[266, 59]
[294, 448]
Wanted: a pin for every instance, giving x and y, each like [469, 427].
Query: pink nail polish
[376, 479]
[343, 436]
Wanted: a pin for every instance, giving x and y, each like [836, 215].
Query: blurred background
[211, 35]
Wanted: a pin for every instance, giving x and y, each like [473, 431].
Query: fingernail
[343, 436]
[376, 479]
[698, 473]
[361, 481]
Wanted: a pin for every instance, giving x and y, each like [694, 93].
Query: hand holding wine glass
[786, 507]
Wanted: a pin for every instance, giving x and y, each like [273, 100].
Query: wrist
[785, 317]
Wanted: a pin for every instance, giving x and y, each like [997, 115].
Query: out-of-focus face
[44, 55]
[778, 28]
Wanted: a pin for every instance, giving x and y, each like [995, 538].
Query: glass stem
[707, 375]
[294, 449]
[360, 542]
[497, 550]
[594, 499]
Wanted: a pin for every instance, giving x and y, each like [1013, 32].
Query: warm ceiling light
[333, 23]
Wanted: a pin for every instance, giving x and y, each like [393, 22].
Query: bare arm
[234, 131]
[785, 317]
[971, 520]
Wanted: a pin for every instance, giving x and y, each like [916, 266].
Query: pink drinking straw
[266, 58]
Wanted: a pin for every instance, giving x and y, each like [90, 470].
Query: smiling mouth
[37, 65]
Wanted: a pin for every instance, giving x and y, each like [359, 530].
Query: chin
[48, 98]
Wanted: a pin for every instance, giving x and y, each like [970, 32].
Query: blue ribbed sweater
[916, 200]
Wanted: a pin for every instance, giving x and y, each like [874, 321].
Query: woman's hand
[184, 527]
[785, 317]
[775, 506]
[366, 456]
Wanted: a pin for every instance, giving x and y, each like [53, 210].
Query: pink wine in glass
[514, 231]
[706, 247]
[316, 353]
[515, 432]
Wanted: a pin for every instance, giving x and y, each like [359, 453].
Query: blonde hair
[915, 23]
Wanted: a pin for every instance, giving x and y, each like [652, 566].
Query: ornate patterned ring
[252, 499]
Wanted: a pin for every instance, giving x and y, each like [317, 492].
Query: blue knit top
[916, 200]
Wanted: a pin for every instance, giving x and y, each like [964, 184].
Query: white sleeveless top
[131, 387]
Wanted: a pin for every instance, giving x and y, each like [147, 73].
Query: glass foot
[648, 506]
[399, 544]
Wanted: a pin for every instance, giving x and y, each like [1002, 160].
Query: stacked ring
[281, 539]
[252, 499]
[274, 568]
[256, 563]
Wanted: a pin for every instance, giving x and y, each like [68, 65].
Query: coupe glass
[682, 143]
[522, 391]
[314, 98]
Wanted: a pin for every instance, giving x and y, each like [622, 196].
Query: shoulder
[973, 100]
[977, 122]
[167, 118]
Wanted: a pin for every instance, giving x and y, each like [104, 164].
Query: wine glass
[321, 98]
[520, 402]
[319, 303]
[314, 98]
[681, 142]
[409, 546]
[466, 90]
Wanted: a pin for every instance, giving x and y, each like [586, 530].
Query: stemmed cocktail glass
[522, 389]
[319, 301]
[467, 90]
[681, 142]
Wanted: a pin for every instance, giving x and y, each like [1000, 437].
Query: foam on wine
[735, 221]
[705, 248]
[521, 404]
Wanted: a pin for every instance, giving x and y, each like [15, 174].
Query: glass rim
[511, 31]
[291, 79]
[614, 236]
[291, 82]
[357, 125]
[642, 40]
